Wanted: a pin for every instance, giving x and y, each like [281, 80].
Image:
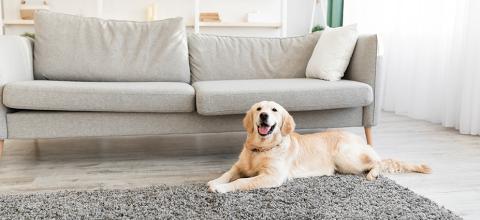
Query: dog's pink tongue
[263, 129]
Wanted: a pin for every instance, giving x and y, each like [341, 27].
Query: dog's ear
[288, 124]
[248, 122]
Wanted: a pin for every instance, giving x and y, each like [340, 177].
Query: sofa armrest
[365, 67]
[15, 65]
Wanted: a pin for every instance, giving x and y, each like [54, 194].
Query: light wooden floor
[125, 162]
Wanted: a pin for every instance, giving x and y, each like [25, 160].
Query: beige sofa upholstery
[37, 107]
[300, 94]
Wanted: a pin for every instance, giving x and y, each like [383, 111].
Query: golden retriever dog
[273, 153]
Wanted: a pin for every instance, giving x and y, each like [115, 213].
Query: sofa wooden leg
[368, 135]
[1, 147]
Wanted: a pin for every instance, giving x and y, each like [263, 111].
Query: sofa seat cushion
[100, 96]
[236, 96]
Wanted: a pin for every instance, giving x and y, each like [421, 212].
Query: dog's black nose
[263, 116]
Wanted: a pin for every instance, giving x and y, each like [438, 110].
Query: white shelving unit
[27, 25]
[239, 24]
[10, 22]
[18, 22]
[281, 24]
[197, 25]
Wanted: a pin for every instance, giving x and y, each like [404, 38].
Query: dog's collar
[263, 149]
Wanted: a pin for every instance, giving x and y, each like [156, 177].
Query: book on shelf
[209, 17]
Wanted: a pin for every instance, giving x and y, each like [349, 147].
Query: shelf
[18, 22]
[240, 24]
[202, 24]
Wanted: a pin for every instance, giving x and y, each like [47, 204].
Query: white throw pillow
[332, 53]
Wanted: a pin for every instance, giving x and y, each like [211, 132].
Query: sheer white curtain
[431, 52]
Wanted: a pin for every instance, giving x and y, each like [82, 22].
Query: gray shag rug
[328, 197]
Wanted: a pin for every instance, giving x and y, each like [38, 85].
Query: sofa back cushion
[224, 58]
[75, 48]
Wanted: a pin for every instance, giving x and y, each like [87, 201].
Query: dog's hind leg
[356, 158]
[374, 172]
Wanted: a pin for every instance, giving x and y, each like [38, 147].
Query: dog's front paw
[371, 177]
[213, 183]
[218, 188]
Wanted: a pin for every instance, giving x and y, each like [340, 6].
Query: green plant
[29, 35]
[318, 28]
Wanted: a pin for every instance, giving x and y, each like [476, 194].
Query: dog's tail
[395, 166]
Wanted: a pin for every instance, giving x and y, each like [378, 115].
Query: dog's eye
[259, 108]
[274, 109]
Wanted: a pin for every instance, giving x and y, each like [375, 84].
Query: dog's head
[267, 119]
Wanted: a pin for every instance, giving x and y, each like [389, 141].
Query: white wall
[1, 22]
[298, 18]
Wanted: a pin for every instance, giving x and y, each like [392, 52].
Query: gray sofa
[78, 83]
